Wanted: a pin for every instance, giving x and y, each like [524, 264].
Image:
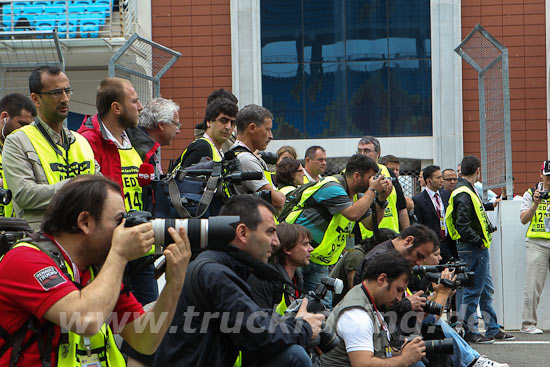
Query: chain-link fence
[21, 53]
[490, 59]
[143, 62]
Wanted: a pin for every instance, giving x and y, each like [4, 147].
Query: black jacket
[268, 293]
[426, 214]
[227, 293]
[465, 218]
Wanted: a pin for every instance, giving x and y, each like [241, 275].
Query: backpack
[294, 200]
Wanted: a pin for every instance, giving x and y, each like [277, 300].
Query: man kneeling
[365, 338]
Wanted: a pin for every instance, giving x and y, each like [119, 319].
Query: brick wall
[200, 30]
[520, 26]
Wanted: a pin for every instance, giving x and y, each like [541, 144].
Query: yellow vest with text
[287, 189]
[480, 214]
[267, 174]
[103, 342]
[536, 227]
[129, 164]
[5, 210]
[339, 228]
[80, 156]
[391, 216]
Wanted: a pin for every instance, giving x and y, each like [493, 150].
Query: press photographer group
[263, 263]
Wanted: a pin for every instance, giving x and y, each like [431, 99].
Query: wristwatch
[383, 204]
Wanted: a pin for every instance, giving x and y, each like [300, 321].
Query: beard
[126, 121]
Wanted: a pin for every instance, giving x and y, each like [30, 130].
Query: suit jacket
[426, 214]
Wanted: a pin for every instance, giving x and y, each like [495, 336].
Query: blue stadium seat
[44, 22]
[78, 7]
[72, 27]
[99, 11]
[89, 26]
[54, 9]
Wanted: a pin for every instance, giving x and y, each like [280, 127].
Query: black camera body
[379, 173]
[544, 194]
[328, 339]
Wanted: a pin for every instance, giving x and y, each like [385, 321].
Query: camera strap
[382, 324]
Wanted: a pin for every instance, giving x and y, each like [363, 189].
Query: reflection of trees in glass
[368, 105]
[285, 130]
[340, 123]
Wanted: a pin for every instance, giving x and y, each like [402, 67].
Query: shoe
[479, 339]
[501, 335]
[483, 361]
[531, 329]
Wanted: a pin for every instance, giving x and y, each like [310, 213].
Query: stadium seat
[89, 26]
[72, 26]
[78, 7]
[99, 11]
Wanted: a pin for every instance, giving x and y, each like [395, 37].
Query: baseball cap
[545, 168]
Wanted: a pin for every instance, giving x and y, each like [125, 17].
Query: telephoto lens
[440, 346]
[215, 232]
[433, 308]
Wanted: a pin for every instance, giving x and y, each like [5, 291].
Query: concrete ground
[525, 351]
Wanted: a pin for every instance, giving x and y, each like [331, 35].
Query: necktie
[439, 214]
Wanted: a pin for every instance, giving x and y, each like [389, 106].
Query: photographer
[365, 337]
[220, 122]
[417, 245]
[216, 316]
[16, 111]
[292, 253]
[535, 211]
[254, 125]
[468, 224]
[330, 208]
[51, 282]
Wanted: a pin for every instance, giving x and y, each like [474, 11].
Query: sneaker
[479, 339]
[531, 329]
[483, 361]
[501, 335]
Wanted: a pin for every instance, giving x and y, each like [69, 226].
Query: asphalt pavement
[525, 351]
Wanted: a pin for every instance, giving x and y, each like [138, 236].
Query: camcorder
[464, 278]
[327, 339]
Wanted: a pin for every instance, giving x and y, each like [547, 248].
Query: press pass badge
[89, 359]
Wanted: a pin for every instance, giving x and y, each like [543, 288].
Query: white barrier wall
[509, 268]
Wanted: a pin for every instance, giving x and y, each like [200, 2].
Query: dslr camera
[328, 339]
[545, 194]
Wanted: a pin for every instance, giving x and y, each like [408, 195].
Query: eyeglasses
[56, 93]
[451, 179]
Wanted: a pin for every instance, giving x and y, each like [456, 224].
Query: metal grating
[490, 59]
[21, 53]
[143, 62]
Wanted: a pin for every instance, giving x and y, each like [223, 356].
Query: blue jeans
[313, 273]
[478, 261]
[293, 356]
[463, 354]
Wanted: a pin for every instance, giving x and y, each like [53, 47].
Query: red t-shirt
[30, 283]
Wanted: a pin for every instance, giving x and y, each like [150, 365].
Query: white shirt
[126, 144]
[310, 179]
[356, 327]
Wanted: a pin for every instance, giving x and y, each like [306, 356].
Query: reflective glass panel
[366, 30]
[409, 28]
[324, 31]
[281, 31]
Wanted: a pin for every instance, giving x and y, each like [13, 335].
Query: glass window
[283, 96]
[281, 31]
[347, 68]
[366, 33]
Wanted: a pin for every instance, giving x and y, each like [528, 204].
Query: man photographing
[51, 283]
[216, 315]
[365, 337]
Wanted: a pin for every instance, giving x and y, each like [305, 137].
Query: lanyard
[382, 324]
[76, 272]
[64, 143]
